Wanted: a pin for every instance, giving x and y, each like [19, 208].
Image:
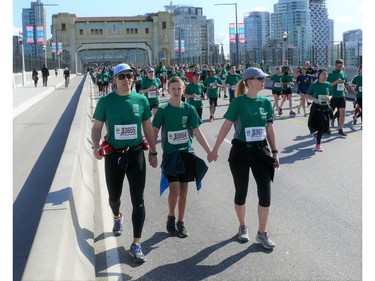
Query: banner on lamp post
[59, 47]
[53, 47]
[29, 34]
[232, 33]
[40, 34]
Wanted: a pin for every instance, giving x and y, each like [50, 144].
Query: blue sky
[347, 14]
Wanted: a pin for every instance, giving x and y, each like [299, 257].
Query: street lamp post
[45, 54]
[237, 48]
[20, 42]
[285, 37]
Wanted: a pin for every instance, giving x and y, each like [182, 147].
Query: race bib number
[277, 85]
[198, 98]
[105, 79]
[360, 88]
[340, 87]
[323, 99]
[255, 134]
[233, 87]
[213, 85]
[139, 78]
[151, 94]
[126, 132]
[178, 137]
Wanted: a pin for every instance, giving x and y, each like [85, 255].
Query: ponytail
[241, 87]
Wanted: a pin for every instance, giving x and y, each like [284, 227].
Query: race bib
[255, 134]
[213, 85]
[233, 87]
[360, 88]
[340, 87]
[151, 94]
[126, 132]
[277, 85]
[323, 99]
[178, 137]
[139, 78]
[198, 98]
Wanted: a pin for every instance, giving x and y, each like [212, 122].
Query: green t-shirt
[338, 89]
[223, 73]
[250, 117]
[320, 89]
[210, 81]
[286, 79]
[105, 77]
[198, 90]
[357, 81]
[123, 116]
[232, 81]
[161, 71]
[152, 97]
[138, 78]
[277, 82]
[175, 123]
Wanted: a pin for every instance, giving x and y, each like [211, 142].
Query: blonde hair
[241, 88]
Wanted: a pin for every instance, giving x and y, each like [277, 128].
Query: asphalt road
[315, 220]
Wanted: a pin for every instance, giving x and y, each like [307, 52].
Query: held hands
[153, 160]
[98, 153]
[212, 156]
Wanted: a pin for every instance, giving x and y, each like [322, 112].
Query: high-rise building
[35, 18]
[320, 31]
[257, 32]
[293, 17]
[352, 41]
[194, 32]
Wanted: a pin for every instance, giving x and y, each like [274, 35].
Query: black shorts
[337, 103]
[274, 92]
[188, 176]
[287, 91]
[213, 101]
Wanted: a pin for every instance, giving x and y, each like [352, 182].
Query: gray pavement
[26, 96]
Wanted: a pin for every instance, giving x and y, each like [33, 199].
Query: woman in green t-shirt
[320, 93]
[252, 118]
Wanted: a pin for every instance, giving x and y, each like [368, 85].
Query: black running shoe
[181, 230]
[171, 225]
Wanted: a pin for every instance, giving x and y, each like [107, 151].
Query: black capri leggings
[241, 159]
[136, 174]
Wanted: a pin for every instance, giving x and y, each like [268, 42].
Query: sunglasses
[127, 75]
[259, 79]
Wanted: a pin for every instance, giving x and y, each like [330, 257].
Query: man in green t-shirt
[194, 93]
[211, 83]
[151, 87]
[357, 89]
[231, 82]
[125, 113]
[338, 81]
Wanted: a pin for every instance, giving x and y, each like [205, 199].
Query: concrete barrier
[63, 248]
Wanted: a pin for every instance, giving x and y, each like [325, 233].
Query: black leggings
[241, 159]
[136, 174]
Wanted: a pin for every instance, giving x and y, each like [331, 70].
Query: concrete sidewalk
[26, 96]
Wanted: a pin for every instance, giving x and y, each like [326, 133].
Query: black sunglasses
[260, 79]
[123, 75]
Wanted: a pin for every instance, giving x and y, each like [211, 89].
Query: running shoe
[263, 239]
[318, 148]
[181, 230]
[171, 225]
[136, 253]
[292, 113]
[225, 96]
[341, 132]
[243, 234]
[117, 225]
[306, 114]
[280, 111]
[211, 118]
